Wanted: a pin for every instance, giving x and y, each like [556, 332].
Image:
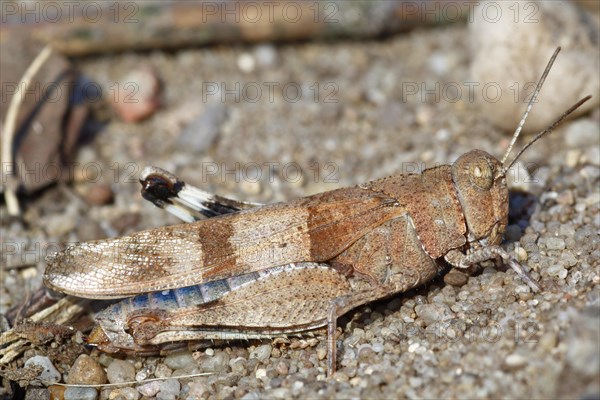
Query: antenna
[548, 129]
[530, 105]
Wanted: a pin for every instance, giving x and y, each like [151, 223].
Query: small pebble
[56, 392]
[432, 313]
[566, 230]
[276, 353]
[365, 352]
[515, 361]
[590, 172]
[557, 271]
[262, 353]
[198, 389]
[593, 199]
[86, 370]
[521, 254]
[49, 373]
[58, 225]
[415, 381]
[357, 381]
[144, 373]
[98, 194]
[266, 55]
[413, 347]
[572, 158]
[246, 63]
[438, 63]
[179, 360]
[80, 393]
[169, 387]
[126, 393]
[261, 373]
[321, 353]
[282, 368]
[565, 198]
[216, 363]
[378, 347]
[162, 371]
[138, 95]
[120, 371]
[238, 365]
[104, 359]
[149, 389]
[568, 259]
[456, 278]
[555, 243]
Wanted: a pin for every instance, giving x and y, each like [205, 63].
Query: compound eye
[481, 173]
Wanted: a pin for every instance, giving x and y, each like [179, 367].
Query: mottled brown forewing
[315, 228]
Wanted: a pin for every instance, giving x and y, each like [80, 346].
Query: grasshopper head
[483, 194]
[480, 179]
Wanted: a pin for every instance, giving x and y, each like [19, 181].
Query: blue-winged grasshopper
[291, 267]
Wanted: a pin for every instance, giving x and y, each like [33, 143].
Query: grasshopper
[285, 268]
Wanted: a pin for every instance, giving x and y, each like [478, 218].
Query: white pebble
[413, 347]
[49, 373]
[261, 373]
[246, 63]
[297, 385]
[521, 254]
[377, 347]
[572, 158]
[515, 361]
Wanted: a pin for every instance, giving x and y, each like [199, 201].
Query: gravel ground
[489, 338]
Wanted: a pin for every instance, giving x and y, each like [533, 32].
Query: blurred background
[268, 101]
